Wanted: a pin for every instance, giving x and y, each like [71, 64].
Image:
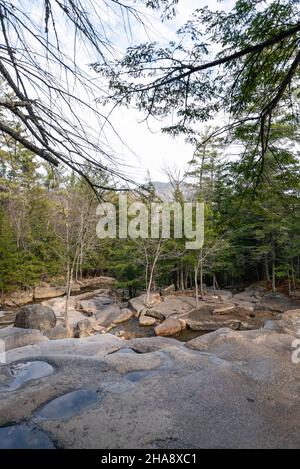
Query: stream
[128, 330]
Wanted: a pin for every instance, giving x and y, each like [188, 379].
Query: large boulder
[35, 317]
[15, 337]
[170, 326]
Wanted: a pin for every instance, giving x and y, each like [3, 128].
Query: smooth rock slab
[24, 437]
[68, 405]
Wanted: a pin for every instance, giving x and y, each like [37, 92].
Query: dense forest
[48, 222]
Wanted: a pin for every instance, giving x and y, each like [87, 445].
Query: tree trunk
[214, 283]
[196, 286]
[181, 279]
[68, 291]
[289, 283]
[273, 276]
[201, 276]
[186, 273]
[152, 273]
[267, 268]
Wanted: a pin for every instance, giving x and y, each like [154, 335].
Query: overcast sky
[153, 150]
[145, 148]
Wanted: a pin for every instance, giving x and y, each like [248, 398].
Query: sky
[139, 147]
[150, 149]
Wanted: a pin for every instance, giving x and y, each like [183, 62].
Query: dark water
[68, 405]
[24, 437]
[131, 329]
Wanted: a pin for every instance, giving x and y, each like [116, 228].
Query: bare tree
[45, 90]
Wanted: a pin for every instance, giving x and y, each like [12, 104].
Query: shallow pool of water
[24, 437]
[68, 405]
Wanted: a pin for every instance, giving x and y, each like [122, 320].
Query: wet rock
[169, 327]
[147, 321]
[125, 315]
[57, 332]
[15, 337]
[35, 316]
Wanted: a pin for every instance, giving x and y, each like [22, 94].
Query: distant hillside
[165, 190]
